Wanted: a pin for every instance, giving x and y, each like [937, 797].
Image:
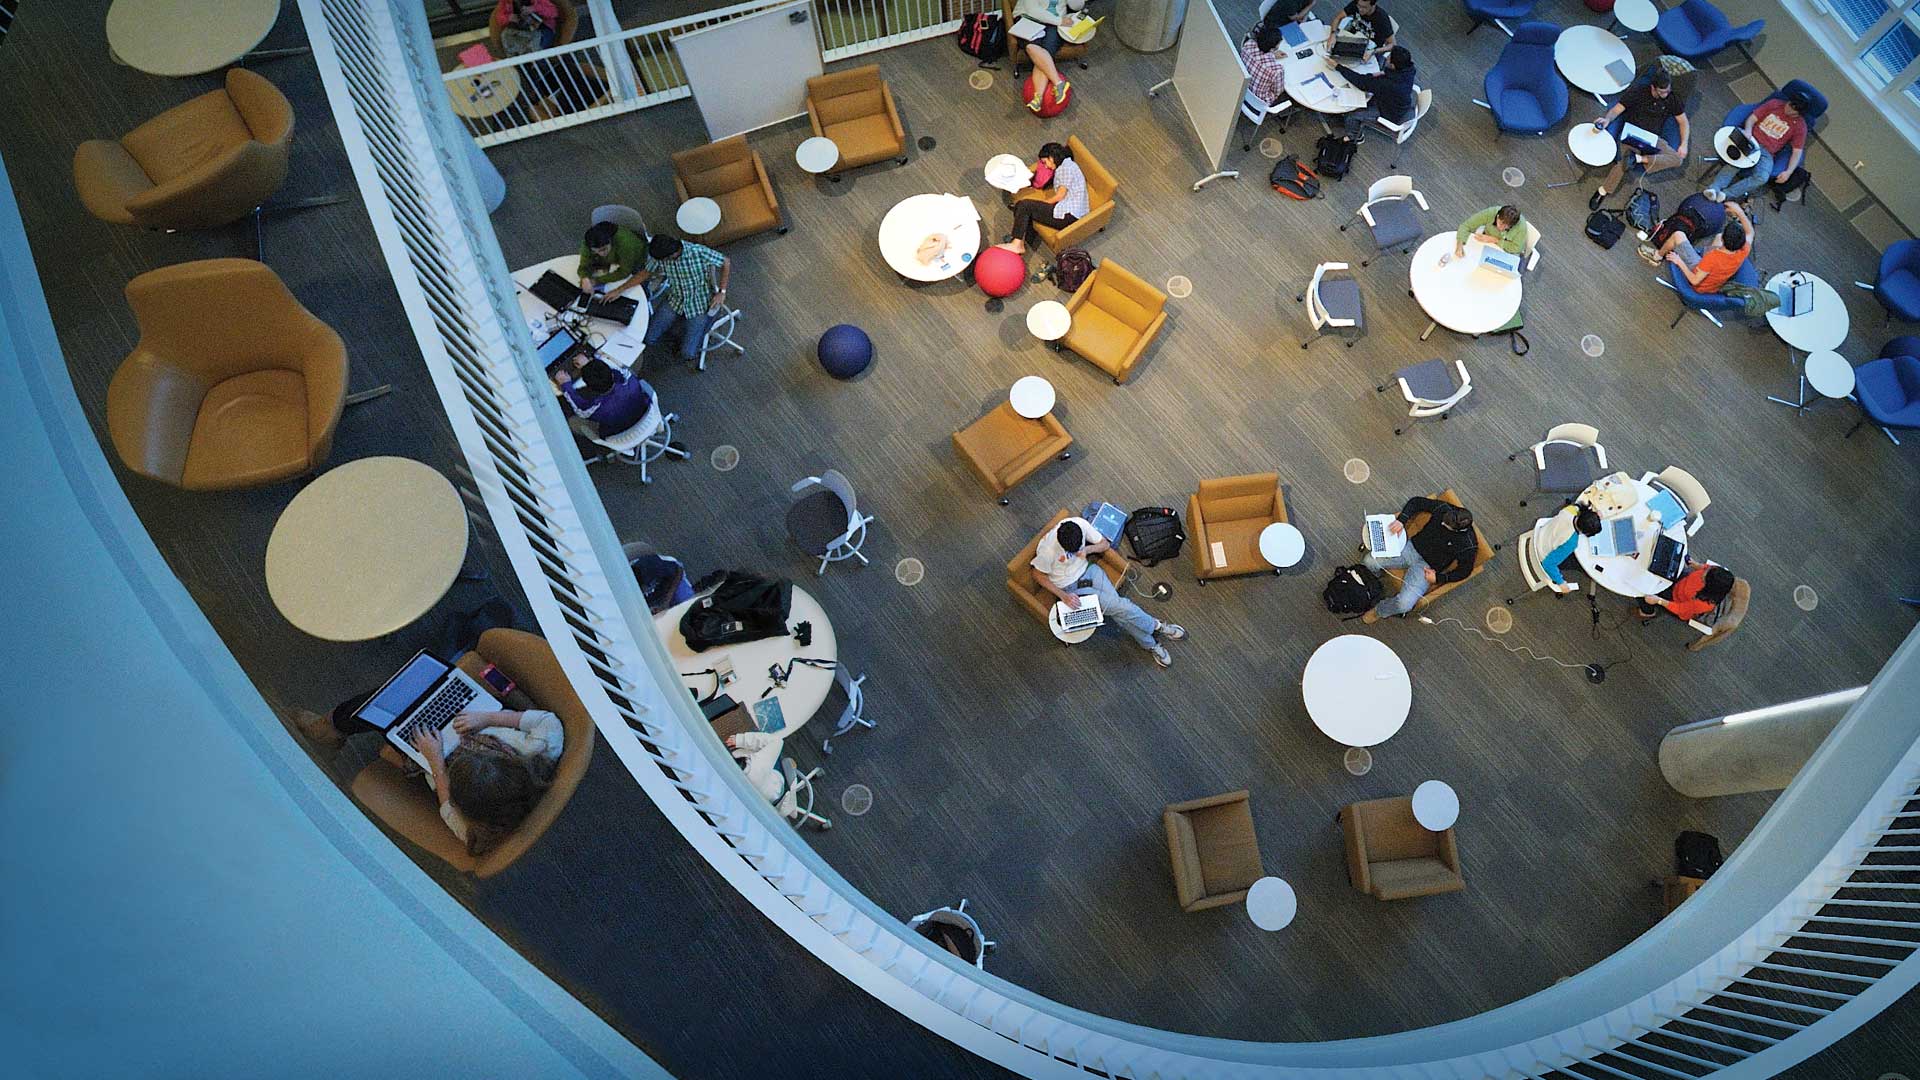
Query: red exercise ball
[1049, 105]
[999, 272]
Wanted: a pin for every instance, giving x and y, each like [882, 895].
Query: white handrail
[1690, 980]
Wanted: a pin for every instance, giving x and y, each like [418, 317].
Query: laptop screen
[395, 698]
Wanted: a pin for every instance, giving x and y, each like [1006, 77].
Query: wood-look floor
[1023, 775]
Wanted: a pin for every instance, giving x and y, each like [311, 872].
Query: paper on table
[1219, 554]
[1348, 97]
[1318, 89]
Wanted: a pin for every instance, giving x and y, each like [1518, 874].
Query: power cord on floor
[1596, 672]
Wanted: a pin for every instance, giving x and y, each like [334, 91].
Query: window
[1893, 53]
[1858, 16]
[1878, 42]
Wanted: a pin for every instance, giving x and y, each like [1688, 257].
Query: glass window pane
[1890, 55]
[1858, 15]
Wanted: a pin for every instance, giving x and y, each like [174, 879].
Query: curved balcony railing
[1809, 929]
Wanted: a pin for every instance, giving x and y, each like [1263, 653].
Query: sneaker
[1714, 195]
[1161, 656]
[1060, 90]
[1171, 631]
[1599, 196]
[1650, 254]
[1039, 93]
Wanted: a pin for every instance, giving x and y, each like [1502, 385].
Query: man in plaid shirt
[691, 298]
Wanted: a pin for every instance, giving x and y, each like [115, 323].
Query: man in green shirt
[610, 254]
[1500, 225]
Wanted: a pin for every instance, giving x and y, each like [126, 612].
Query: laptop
[1381, 543]
[560, 294]
[1669, 558]
[1636, 136]
[1796, 298]
[1085, 617]
[427, 692]
[1499, 260]
[1350, 48]
[557, 352]
[1616, 538]
[1107, 520]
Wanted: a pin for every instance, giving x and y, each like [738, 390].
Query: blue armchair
[1524, 89]
[1889, 388]
[1816, 108]
[1492, 11]
[1898, 285]
[1708, 303]
[1697, 30]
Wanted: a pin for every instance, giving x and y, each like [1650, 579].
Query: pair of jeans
[1667, 156]
[1415, 581]
[1120, 611]
[1357, 120]
[1025, 211]
[1740, 183]
[693, 331]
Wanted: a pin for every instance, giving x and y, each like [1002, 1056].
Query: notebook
[1292, 34]
[1107, 519]
[1026, 29]
[1620, 70]
[1667, 508]
[767, 715]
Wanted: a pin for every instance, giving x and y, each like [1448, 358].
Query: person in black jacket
[1391, 90]
[1439, 554]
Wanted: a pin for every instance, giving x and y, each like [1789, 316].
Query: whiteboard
[751, 72]
[1210, 79]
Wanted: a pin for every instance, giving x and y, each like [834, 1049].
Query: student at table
[693, 294]
[758, 754]
[1266, 62]
[1707, 270]
[1696, 594]
[1060, 201]
[1501, 225]
[1370, 18]
[1647, 105]
[1441, 553]
[491, 780]
[1773, 125]
[1049, 14]
[1558, 540]
[526, 25]
[607, 400]
[1390, 93]
[610, 256]
[1060, 566]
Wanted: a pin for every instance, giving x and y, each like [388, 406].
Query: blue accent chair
[1889, 388]
[1708, 303]
[1816, 108]
[1697, 30]
[1492, 11]
[1898, 285]
[1524, 89]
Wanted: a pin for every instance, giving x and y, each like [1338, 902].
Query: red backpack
[983, 37]
[1294, 180]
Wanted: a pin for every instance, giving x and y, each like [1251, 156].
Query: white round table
[1357, 690]
[1271, 903]
[621, 346]
[1049, 320]
[1460, 295]
[1627, 575]
[817, 154]
[1592, 146]
[1071, 637]
[1007, 172]
[1435, 806]
[698, 215]
[1824, 327]
[1722, 145]
[1828, 373]
[807, 686]
[1583, 54]
[1639, 16]
[366, 548]
[1031, 397]
[913, 219]
[186, 37]
[1282, 545]
[1301, 75]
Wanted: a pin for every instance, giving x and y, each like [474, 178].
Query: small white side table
[1271, 904]
[1049, 320]
[1589, 146]
[698, 215]
[1007, 172]
[1723, 145]
[1071, 637]
[1828, 373]
[1282, 545]
[1031, 397]
[1639, 16]
[1435, 806]
[817, 154]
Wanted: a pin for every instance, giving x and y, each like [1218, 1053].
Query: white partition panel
[753, 71]
[1209, 79]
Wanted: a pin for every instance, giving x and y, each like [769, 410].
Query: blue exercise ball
[845, 351]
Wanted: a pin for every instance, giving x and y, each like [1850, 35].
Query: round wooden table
[186, 37]
[366, 548]
[489, 93]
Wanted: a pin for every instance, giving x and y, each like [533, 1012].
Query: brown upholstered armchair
[1392, 856]
[1101, 187]
[1725, 619]
[1216, 856]
[208, 162]
[1017, 49]
[233, 384]
[1231, 512]
[1483, 554]
[855, 109]
[1032, 596]
[730, 173]
[1003, 447]
[1115, 316]
[562, 34]
[407, 806]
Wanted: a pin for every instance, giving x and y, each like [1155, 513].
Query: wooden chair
[1725, 620]
[1214, 851]
[1101, 188]
[1003, 447]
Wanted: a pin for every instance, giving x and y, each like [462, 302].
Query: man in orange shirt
[1707, 270]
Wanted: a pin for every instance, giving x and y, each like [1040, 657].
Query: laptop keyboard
[1087, 614]
[437, 713]
[1376, 536]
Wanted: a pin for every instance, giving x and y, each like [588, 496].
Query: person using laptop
[1061, 202]
[1697, 593]
[1060, 566]
[1266, 60]
[696, 277]
[1390, 93]
[1501, 226]
[1560, 536]
[610, 256]
[606, 400]
[1366, 18]
[1441, 553]
[1774, 124]
[501, 765]
[1049, 14]
[1648, 104]
[1707, 270]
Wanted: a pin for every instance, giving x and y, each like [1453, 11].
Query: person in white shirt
[1060, 202]
[1049, 14]
[497, 767]
[759, 755]
[1060, 566]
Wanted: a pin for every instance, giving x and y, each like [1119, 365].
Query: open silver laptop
[1085, 617]
[427, 692]
[1381, 543]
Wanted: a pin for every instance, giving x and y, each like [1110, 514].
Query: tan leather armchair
[1101, 187]
[730, 173]
[208, 162]
[233, 384]
[562, 34]
[1115, 316]
[1732, 612]
[1395, 579]
[407, 806]
[1390, 855]
[1017, 49]
[1215, 854]
[1003, 447]
[1030, 593]
[855, 109]
[1231, 512]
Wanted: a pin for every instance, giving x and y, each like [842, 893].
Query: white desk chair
[1431, 388]
[1422, 101]
[1685, 488]
[719, 334]
[1333, 302]
[1389, 215]
[1564, 462]
[958, 918]
[851, 716]
[624, 216]
[1256, 109]
[644, 442]
[846, 545]
[796, 802]
[1533, 246]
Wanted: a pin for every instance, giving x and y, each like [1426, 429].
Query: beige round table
[366, 548]
[489, 93]
[806, 687]
[186, 37]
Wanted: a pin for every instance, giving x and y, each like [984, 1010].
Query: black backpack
[1696, 854]
[1071, 268]
[1605, 228]
[983, 37]
[1332, 155]
[1294, 180]
[1795, 181]
[1643, 211]
[735, 606]
[1354, 590]
[1154, 533]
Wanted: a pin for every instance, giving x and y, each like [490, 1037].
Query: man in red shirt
[1697, 593]
[1774, 124]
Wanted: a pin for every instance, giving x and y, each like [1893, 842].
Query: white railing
[628, 69]
[1809, 929]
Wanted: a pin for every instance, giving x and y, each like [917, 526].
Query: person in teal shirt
[609, 254]
[1559, 538]
[1500, 225]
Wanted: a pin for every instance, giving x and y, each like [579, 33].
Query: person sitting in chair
[1707, 270]
[1648, 106]
[1059, 199]
[489, 782]
[610, 256]
[1266, 61]
[1697, 593]
[1060, 566]
[1049, 14]
[1557, 541]
[692, 297]
[1499, 225]
[526, 25]
[602, 399]
[1390, 93]
[1441, 553]
[1369, 18]
[1774, 124]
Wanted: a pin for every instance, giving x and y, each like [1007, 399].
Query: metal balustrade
[1809, 929]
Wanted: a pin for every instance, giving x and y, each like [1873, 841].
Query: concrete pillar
[1757, 750]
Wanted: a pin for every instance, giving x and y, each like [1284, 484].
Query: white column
[1756, 750]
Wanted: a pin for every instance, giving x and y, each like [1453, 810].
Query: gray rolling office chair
[825, 519]
[643, 443]
[1567, 460]
[796, 802]
[720, 333]
[850, 717]
[956, 931]
[1430, 388]
[1333, 302]
[1389, 214]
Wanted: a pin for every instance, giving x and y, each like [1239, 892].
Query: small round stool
[845, 351]
[999, 273]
